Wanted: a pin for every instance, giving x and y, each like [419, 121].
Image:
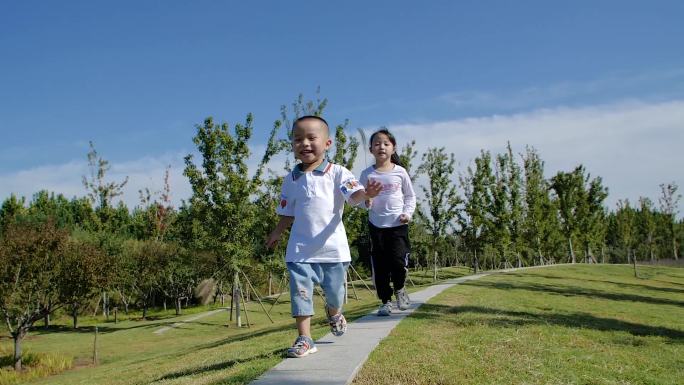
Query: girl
[389, 214]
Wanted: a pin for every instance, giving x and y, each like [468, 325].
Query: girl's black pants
[390, 249]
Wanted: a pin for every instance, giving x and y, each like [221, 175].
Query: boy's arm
[283, 224]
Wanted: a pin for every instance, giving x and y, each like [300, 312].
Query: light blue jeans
[303, 276]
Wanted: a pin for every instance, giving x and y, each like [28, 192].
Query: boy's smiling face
[310, 141]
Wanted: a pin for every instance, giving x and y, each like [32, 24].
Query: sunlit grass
[35, 365]
[578, 324]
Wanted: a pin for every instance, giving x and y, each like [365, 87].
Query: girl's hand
[403, 218]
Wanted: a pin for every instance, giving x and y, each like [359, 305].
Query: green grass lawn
[205, 351]
[581, 324]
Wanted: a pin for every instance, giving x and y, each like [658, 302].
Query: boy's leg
[301, 295]
[304, 325]
[380, 264]
[332, 276]
[301, 300]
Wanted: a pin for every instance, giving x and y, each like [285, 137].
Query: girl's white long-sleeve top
[397, 196]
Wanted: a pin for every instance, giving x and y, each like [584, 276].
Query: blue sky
[135, 77]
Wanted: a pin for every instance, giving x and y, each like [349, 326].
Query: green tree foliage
[11, 209]
[476, 221]
[591, 214]
[646, 222]
[30, 258]
[441, 197]
[102, 192]
[669, 201]
[82, 275]
[569, 190]
[625, 227]
[540, 227]
[222, 211]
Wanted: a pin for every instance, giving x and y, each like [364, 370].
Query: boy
[312, 201]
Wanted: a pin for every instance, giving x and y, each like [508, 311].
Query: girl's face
[381, 148]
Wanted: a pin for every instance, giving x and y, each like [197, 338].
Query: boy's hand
[272, 239]
[373, 188]
[403, 218]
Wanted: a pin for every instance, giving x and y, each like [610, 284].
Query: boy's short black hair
[315, 117]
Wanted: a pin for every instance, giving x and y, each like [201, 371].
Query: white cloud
[633, 146]
[640, 84]
[145, 172]
[66, 179]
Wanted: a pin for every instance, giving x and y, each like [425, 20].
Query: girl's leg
[379, 264]
[399, 249]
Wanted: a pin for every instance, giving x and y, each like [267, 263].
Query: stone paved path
[339, 358]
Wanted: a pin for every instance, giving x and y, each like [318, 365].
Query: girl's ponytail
[395, 158]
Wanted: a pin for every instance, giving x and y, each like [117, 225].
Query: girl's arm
[409, 198]
[283, 224]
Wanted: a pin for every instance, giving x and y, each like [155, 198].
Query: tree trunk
[270, 283]
[603, 254]
[674, 247]
[237, 296]
[572, 252]
[434, 275]
[46, 320]
[635, 265]
[74, 315]
[144, 314]
[104, 304]
[178, 306]
[476, 263]
[18, 336]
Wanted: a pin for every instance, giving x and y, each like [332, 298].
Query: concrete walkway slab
[339, 358]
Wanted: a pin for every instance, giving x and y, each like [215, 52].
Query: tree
[475, 221]
[178, 275]
[624, 218]
[591, 215]
[28, 289]
[101, 192]
[222, 209]
[12, 208]
[569, 188]
[441, 198]
[406, 156]
[646, 220]
[156, 214]
[541, 227]
[146, 262]
[82, 275]
[669, 200]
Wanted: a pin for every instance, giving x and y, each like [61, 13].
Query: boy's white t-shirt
[397, 196]
[316, 201]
